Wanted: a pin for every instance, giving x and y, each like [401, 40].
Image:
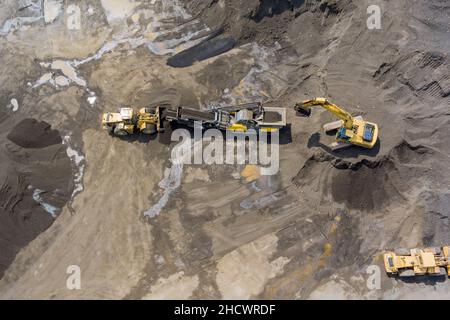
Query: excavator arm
[305, 109]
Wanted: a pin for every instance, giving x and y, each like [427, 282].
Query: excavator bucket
[305, 112]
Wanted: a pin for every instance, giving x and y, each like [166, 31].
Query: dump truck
[239, 118]
[403, 262]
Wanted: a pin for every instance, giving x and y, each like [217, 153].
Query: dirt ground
[142, 227]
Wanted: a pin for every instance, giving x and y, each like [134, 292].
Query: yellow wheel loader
[415, 262]
[127, 121]
[351, 130]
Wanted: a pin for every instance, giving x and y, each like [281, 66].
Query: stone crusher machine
[240, 118]
[415, 262]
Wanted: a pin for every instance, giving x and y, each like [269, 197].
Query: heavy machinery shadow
[350, 152]
[139, 137]
[162, 137]
[212, 46]
[165, 136]
[427, 280]
[285, 136]
[270, 8]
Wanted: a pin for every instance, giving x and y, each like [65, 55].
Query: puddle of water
[170, 182]
[77, 159]
[118, 9]
[62, 81]
[45, 78]
[69, 67]
[69, 71]
[172, 176]
[17, 23]
[108, 47]
[46, 206]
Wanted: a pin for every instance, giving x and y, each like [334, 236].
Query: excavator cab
[369, 131]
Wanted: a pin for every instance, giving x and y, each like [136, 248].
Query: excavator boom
[305, 108]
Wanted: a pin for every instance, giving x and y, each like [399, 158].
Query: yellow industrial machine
[127, 121]
[351, 130]
[240, 118]
[414, 262]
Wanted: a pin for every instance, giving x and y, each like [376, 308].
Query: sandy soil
[310, 231]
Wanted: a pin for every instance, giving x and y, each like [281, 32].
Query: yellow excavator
[351, 130]
[415, 262]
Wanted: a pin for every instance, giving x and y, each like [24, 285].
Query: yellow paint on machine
[251, 172]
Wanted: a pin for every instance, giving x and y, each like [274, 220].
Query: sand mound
[366, 185]
[35, 183]
[30, 133]
[424, 73]
[265, 21]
